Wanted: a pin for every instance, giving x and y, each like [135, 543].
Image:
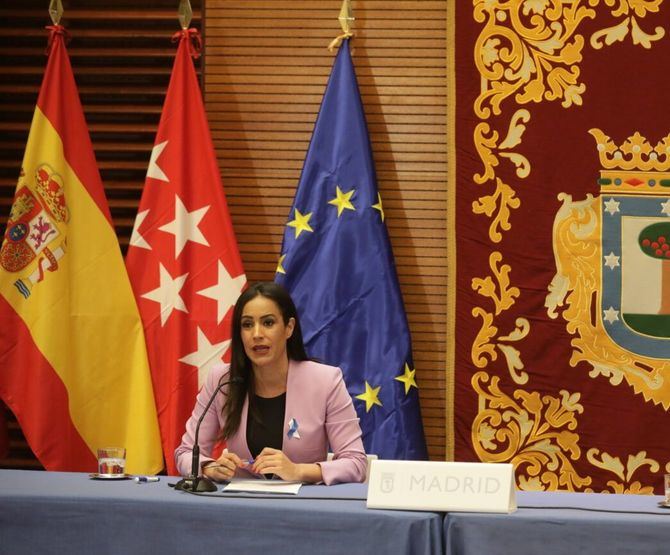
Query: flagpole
[346, 15]
[345, 18]
[185, 14]
[55, 11]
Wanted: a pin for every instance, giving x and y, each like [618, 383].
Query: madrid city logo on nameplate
[386, 485]
[441, 486]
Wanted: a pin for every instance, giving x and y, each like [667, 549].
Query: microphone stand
[195, 482]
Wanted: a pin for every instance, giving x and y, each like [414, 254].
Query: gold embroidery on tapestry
[532, 431]
[530, 51]
[625, 474]
[618, 32]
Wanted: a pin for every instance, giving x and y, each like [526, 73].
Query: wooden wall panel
[266, 67]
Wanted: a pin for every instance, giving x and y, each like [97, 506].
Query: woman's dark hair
[240, 365]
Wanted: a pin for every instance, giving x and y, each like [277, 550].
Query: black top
[267, 432]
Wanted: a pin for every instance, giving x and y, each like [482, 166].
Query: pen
[143, 479]
[245, 462]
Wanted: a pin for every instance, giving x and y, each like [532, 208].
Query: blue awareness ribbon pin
[293, 429]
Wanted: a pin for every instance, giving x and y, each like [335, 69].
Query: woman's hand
[274, 461]
[224, 467]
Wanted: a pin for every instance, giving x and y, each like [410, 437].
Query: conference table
[556, 523]
[60, 512]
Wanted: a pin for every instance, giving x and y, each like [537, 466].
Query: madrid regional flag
[183, 259]
[73, 361]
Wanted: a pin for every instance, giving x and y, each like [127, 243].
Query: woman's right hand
[224, 467]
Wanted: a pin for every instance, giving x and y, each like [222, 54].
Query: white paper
[263, 486]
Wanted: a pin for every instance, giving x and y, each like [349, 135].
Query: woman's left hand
[274, 461]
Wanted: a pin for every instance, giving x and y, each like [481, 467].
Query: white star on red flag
[136, 239]
[184, 227]
[206, 355]
[154, 170]
[225, 291]
[167, 293]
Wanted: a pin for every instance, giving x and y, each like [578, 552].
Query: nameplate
[442, 486]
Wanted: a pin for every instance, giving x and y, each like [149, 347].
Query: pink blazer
[316, 398]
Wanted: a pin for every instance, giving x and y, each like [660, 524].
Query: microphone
[194, 482]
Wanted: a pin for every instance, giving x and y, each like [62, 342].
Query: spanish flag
[73, 361]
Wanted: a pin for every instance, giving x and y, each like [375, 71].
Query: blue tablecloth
[559, 523]
[59, 512]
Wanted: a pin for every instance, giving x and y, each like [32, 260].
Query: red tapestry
[562, 232]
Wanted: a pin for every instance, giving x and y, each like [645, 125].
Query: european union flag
[336, 262]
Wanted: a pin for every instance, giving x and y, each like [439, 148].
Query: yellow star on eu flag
[379, 206]
[370, 396]
[407, 378]
[280, 268]
[301, 223]
[342, 200]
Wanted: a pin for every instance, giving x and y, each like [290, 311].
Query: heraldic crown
[51, 192]
[635, 167]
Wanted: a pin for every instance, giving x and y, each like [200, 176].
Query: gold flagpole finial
[346, 15]
[55, 11]
[345, 18]
[185, 14]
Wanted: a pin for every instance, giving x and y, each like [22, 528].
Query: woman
[285, 412]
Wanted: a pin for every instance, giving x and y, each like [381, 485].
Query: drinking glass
[111, 461]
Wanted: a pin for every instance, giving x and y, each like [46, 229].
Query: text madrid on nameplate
[442, 486]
